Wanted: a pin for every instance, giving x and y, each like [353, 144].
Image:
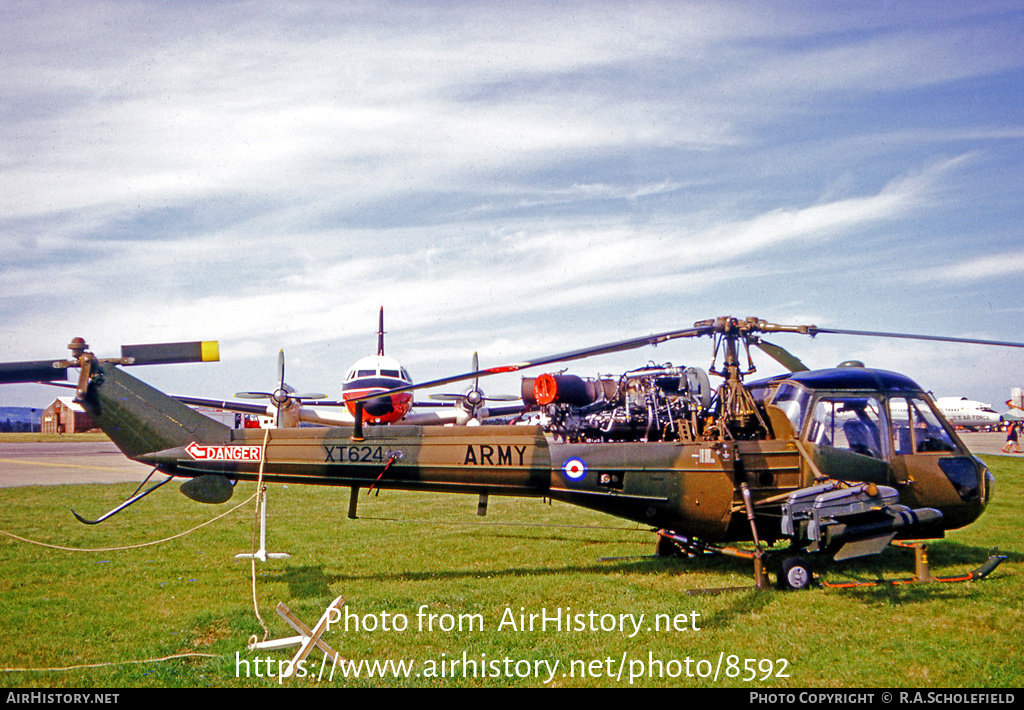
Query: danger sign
[224, 453]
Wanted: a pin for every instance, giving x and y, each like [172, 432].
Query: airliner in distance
[959, 411]
[968, 413]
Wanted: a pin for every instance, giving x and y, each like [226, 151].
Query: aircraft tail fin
[140, 419]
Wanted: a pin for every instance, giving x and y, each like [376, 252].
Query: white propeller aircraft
[376, 373]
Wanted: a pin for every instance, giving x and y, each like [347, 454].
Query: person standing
[1012, 439]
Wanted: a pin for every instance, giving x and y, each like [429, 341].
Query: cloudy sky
[512, 178]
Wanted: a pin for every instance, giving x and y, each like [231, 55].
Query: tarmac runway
[52, 464]
[985, 443]
[58, 463]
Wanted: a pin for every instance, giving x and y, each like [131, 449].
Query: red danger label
[224, 453]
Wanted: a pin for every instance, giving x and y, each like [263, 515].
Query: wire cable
[127, 547]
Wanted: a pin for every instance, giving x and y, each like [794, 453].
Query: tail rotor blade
[32, 371]
[167, 353]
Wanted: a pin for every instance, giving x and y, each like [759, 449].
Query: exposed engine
[652, 403]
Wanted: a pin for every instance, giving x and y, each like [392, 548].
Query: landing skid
[795, 573]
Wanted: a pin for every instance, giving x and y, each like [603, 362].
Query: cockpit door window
[916, 428]
[853, 424]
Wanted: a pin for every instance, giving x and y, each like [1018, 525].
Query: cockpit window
[390, 373]
[854, 424]
[762, 393]
[793, 401]
[916, 428]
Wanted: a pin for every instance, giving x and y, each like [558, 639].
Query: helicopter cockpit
[875, 419]
[877, 426]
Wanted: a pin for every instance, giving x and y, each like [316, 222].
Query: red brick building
[65, 417]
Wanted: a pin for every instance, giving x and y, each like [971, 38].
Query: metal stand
[307, 638]
[922, 570]
[262, 555]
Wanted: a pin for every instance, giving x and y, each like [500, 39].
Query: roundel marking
[574, 468]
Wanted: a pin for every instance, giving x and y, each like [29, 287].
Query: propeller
[471, 401]
[284, 399]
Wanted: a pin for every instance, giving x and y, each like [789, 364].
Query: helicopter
[838, 462]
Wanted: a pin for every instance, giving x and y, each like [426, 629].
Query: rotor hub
[77, 346]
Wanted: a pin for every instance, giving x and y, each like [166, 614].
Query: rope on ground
[148, 544]
[127, 547]
[109, 663]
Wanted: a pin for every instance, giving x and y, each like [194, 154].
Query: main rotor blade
[814, 330]
[260, 409]
[631, 344]
[782, 356]
[449, 397]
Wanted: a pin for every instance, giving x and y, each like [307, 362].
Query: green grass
[60, 609]
[33, 437]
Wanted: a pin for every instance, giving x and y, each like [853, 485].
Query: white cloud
[985, 268]
[513, 179]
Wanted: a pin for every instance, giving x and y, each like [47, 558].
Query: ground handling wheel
[795, 573]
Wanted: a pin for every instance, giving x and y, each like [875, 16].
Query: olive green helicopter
[839, 462]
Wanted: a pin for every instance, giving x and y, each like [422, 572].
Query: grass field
[26, 438]
[412, 559]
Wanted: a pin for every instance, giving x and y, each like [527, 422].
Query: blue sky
[515, 179]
